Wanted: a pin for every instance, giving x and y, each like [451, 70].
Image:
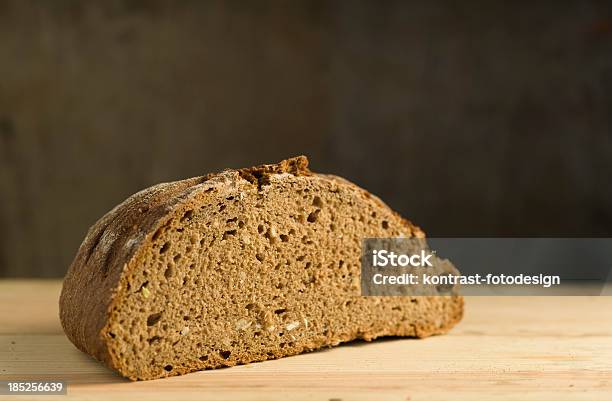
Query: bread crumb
[185, 331]
[145, 292]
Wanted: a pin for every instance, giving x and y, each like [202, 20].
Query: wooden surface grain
[523, 348]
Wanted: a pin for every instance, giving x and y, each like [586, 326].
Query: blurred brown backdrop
[470, 118]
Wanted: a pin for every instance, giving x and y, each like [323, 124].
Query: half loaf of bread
[236, 267]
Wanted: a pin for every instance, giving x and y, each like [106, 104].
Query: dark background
[470, 118]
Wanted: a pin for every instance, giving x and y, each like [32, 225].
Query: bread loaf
[236, 267]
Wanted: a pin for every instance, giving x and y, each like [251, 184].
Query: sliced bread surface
[236, 267]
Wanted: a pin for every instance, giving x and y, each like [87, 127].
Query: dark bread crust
[94, 279]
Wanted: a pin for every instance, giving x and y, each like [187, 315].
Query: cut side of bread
[236, 267]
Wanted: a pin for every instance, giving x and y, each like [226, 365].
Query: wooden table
[523, 348]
